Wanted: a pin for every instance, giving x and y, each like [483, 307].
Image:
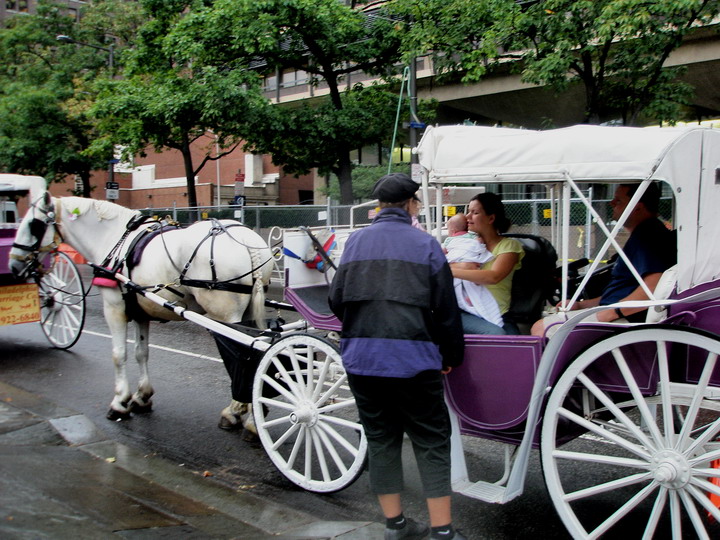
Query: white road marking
[159, 347]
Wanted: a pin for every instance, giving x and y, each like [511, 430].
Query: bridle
[38, 227]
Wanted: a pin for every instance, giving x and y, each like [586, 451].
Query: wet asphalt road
[192, 387]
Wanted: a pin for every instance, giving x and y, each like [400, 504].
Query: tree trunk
[189, 174]
[344, 167]
[86, 189]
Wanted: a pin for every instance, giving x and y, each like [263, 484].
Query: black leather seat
[534, 283]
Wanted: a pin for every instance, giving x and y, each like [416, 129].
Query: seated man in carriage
[651, 248]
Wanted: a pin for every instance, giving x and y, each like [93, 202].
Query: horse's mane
[103, 209]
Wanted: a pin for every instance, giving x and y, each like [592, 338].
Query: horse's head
[35, 234]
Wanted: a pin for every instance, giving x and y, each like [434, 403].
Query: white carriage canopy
[35, 185]
[687, 159]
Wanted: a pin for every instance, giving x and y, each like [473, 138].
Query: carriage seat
[534, 282]
[664, 288]
[312, 303]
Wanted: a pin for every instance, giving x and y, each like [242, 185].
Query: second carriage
[50, 288]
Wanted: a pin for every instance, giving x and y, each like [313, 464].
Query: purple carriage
[636, 406]
[51, 290]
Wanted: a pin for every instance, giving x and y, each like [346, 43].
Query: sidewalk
[60, 477]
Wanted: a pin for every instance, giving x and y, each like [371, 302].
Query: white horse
[220, 252]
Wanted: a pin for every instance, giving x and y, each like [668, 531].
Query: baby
[463, 246]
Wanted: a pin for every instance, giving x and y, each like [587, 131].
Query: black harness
[133, 254]
[213, 284]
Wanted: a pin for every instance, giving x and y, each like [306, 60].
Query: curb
[273, 519]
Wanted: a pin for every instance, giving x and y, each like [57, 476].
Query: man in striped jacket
[393, 292]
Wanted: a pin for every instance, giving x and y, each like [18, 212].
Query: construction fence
[528, 216]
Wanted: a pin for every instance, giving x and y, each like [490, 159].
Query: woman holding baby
[486, 217]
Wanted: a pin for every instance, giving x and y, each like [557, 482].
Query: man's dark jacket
[394, 294]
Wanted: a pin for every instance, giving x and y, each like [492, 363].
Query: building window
[11, 5]
[306, 196]
[271, 82]
[293, 78]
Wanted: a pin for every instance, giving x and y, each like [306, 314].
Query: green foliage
[328, 41]
[309, 135]
[363, 180]
[167, 101]
[462, 36]
[614, 48]
[44, 129]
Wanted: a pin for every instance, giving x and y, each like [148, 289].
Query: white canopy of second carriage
[688, 159]
[35, 185]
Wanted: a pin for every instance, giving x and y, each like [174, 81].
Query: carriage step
[483, 491]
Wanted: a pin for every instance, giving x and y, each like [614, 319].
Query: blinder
[38, 227]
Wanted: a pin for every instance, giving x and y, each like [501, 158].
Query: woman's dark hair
[493, 206]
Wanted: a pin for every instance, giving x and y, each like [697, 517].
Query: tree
[47, 87]
[616, 49]
[43, 128]
[165, 102]
[328, 41]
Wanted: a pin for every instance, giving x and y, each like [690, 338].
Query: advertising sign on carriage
[19, 304]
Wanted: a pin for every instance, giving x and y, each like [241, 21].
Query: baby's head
[457, 223]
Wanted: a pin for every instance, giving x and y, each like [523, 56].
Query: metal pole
[217, 169]
[412, 89]
[588, 225]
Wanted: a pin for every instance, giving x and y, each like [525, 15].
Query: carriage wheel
[306, 415]
[62, 301]
[644, 463]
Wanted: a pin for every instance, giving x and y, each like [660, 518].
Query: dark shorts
[389, 408]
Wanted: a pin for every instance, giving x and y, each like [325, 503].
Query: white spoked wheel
[62, 300]
[648, 460]
[306, 416]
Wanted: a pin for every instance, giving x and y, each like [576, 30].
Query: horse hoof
[116, 416]
[249, 436]
[227, 425]
[137, 408]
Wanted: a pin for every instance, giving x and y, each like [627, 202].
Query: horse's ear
[47, 199]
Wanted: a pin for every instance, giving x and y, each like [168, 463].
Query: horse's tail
[257, 298]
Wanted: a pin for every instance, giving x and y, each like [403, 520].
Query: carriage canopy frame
[686, 159]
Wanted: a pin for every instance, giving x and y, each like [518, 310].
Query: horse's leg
[231, 416]
[141, 402]
[249, 421]
[117, 323]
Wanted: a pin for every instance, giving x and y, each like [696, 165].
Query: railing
[529, 216]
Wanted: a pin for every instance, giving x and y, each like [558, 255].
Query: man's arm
[651, 280]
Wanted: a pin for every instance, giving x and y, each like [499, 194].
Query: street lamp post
[111, 65]
[110, 50]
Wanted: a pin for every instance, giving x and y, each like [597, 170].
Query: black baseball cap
[394, 188]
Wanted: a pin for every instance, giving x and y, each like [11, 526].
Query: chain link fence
[528, 216]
